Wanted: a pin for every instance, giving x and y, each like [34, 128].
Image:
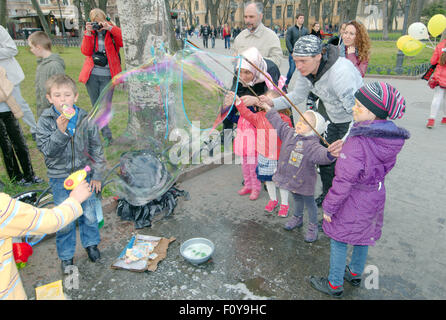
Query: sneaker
[93, 253]
[443, 120]
[244, 190]
[430, 123]
[254, 195]
[283, 211]
[312, 232]
[323, 285]
[272, 204]
[353, 278]
[66, 263]
[27, 183]
[294, 222]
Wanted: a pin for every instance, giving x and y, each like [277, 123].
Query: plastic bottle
[75, 178]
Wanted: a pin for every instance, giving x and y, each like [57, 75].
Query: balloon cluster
[411, 45]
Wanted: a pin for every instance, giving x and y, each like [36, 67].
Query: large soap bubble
[160, 114]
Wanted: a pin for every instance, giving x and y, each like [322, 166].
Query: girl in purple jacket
[296, 169]
[354, 206]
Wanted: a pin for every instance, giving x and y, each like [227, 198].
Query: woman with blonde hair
[357, 45]
[100, 45]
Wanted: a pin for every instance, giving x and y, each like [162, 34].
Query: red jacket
[265, 131]
[226, 32]
[440, 71]
[110, 50]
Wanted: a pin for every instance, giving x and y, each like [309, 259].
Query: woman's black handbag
[99, 57]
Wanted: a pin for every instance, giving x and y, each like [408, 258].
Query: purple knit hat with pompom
[382, 99]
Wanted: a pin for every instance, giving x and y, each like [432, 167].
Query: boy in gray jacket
[48, 64]
[68, 147]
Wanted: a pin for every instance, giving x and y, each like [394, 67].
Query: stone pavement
[255, 258]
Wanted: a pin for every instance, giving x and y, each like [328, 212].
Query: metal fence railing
[415, 70]
[68, 42]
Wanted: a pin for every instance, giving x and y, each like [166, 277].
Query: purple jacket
[296, 169]
[356, 199]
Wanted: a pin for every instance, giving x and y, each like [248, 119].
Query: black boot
[93, 253]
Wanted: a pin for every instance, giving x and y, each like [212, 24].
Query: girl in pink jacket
[246, 138]
[268, 150]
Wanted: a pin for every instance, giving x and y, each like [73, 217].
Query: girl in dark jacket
[354, 206]
[96, 74]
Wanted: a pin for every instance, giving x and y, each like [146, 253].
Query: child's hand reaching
[264, 106]
[81, 192]
[335, 148]
[327, 218]
[250, 100]
[229, 98]
[267, 100]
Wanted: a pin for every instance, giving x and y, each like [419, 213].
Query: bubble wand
[231, 72]
[286, 98]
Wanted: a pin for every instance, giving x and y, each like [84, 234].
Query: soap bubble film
[161, 115]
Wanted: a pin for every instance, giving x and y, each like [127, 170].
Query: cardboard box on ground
[143, 252]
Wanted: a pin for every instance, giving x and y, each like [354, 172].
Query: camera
[96, 26]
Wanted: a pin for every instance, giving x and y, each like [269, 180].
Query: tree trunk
[189, 5]
[145, 27]
[42, 19]
[103, 5]
[212, 7]
[385, 4]
[412, 13]
[305, 9]
[3, 13]
[391, 15]
[80, 19]
[352, 9]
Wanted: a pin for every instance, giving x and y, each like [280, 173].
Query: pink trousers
[249, 164]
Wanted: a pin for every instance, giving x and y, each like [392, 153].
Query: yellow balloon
[412, 48]
[436, 25]
[402, 41]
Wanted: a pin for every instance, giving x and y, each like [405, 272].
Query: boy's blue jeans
[338, 260]
[88, 224]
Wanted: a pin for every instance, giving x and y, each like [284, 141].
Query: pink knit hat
[382, 99]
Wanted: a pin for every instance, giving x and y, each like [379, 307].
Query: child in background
[354, 206]
[296, 170]
[18, 219]
[245, 140]
[268, 149]
[48, 64]
[65, 147]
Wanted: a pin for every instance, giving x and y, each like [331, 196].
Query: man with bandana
[334, 80]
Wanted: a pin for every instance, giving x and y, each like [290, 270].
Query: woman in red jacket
[227, 36]
[438, 83]
[100, 45]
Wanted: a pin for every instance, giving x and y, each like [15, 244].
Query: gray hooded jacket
[64, 153]
[335, 84]
[46, 67]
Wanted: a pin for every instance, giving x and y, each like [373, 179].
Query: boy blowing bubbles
[65, 146]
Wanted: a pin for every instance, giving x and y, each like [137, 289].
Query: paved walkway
[256, 258]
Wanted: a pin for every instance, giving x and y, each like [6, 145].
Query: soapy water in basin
[197, 250]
